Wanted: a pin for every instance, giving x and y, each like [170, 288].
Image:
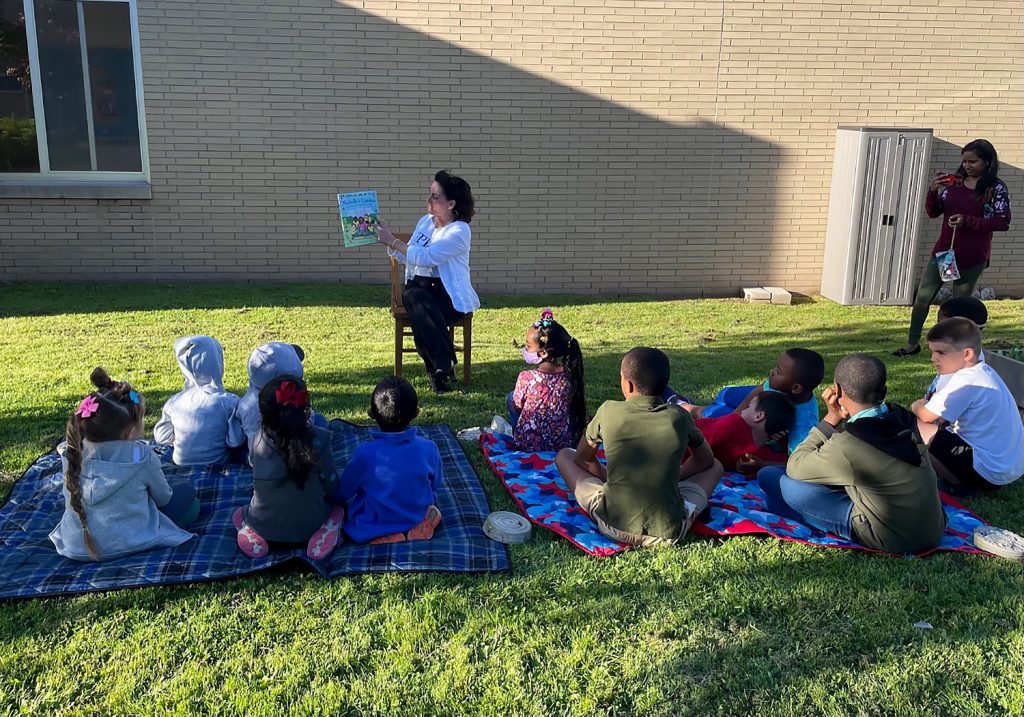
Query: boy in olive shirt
[644, 497]
[862, 473]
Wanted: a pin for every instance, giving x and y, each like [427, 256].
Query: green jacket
[882, 465]
[644, 440]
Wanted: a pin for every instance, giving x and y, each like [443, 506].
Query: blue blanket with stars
[737, 507]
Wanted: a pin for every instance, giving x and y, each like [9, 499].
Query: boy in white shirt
[971, 424]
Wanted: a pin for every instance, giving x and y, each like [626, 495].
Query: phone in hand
[951, 180]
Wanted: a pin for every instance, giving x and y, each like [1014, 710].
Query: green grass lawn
[738, 626]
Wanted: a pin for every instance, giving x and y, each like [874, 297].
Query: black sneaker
[439, 381]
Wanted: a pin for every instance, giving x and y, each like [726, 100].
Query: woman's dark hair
[284, 406]
[116, 407]
[564, 350]
[457, 190]
[986, 153]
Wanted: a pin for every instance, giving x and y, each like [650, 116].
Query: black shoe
[904, 352]
[957, 490]
[439, 381]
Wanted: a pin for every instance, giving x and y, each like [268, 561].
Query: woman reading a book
[437, 289]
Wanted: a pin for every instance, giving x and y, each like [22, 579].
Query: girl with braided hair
[117, 500]
[548, 408]
[293, 473]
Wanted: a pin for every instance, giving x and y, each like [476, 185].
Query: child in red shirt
[743, 434]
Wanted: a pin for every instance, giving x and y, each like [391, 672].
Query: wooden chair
[403, 327]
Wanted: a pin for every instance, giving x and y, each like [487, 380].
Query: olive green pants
[929, 287]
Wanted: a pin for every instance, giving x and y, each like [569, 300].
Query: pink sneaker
[249, 541]
[328, 536]
[236, 519]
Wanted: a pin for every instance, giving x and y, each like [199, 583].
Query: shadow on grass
[49, 299]
[55, 299]
[753, 623]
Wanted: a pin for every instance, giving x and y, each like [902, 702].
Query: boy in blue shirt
[389, 486]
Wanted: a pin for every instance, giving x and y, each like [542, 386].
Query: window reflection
[18, 148]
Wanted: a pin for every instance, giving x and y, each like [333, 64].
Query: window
[70, 92]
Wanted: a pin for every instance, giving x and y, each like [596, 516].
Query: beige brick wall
[614, 145]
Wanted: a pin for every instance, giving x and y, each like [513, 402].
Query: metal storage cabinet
[876, 206]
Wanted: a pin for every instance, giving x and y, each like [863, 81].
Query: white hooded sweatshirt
[197, 420]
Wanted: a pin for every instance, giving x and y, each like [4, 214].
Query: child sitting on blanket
[548, 408]
[861, 474]
[117, 500]
[797, 373]
[390, 484]
[966, 307]
[266, 363]
[293, 473]
[738, 437]
[197, 420]
[981, 446]
[643, 497]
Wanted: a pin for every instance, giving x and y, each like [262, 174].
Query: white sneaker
[999, 541]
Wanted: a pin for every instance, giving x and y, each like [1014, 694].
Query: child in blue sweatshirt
[389, 486]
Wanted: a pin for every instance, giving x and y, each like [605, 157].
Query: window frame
[46, 177]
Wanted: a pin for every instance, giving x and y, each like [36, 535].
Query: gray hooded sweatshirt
[197, 420]
[123, 486]
[266, 363]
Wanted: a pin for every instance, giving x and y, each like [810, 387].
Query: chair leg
[467, 352]
[398, 348]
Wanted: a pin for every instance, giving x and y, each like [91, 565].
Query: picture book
[359, 218]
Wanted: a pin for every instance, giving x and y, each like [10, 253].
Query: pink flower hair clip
[87, 407]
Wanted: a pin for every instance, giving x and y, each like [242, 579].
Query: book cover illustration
[359, 217]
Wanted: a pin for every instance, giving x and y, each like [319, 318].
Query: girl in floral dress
[548, 408]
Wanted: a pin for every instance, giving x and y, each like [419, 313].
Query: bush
[18, 152]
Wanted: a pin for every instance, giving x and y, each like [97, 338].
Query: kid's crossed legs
[585, 476]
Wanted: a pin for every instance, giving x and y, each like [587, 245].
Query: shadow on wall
[946, 158]
[577, 194]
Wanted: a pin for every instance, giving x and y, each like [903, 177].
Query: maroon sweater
[982, 216]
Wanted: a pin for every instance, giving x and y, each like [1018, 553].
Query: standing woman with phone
[973, 203]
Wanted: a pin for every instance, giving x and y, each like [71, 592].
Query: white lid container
[506, 527]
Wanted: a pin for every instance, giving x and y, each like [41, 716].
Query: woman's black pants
[431, 313]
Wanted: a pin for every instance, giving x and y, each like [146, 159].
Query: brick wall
[613, 145]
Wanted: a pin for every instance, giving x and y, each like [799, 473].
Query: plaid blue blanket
[30, 567]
